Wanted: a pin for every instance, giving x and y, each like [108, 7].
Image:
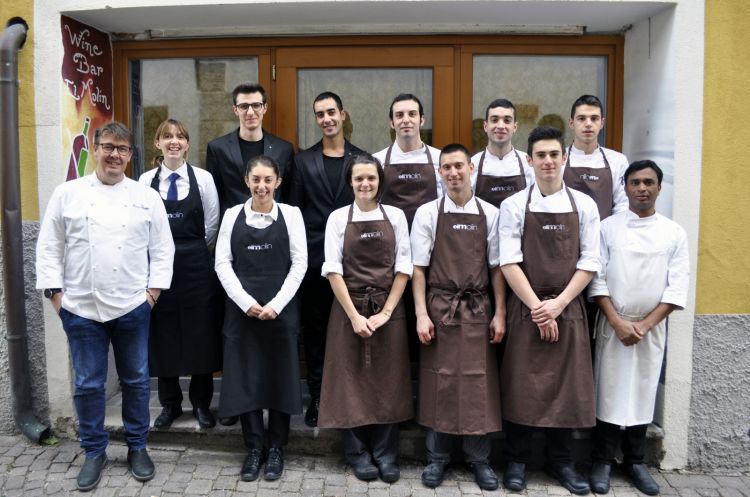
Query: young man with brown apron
[455, 255]
[644, 277]
[501, 169]
[549, 246]
[366, 385]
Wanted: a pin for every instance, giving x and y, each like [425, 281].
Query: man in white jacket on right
[644, 277]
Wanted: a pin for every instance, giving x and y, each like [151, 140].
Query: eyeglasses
[245, 106]
[109, 148]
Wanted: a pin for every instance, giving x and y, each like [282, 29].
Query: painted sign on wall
[87, 81]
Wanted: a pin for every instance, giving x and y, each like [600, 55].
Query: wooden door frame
[458, 101]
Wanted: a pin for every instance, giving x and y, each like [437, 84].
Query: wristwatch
[50, 292]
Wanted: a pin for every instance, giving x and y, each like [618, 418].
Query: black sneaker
[141, 465]
[251, 467]
[484, 476]
[167, 417]
[91, 472]
[311, 416]
[274, 464]
[433, 474]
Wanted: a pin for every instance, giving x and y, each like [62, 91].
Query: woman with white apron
[261, 258]
[366, 385]
[185, 336]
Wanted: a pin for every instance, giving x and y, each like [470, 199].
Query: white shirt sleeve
[210, 201]
[295, 226]
[160, 245]
[403, 243]
[224, 259]
[588, 227]
[678, 273]
[510, 228]
[50, 245]
[492, 215]
[619, 197]
[598, 286]
[333, 247]
[423, 233]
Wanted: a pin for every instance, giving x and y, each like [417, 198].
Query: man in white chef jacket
[104, 254]
[644, 277]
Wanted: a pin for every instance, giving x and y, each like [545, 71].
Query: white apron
[626, 378]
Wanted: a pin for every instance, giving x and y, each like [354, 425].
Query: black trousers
[256, 436]
[476, 448]
[200, 393]
[316, 298]
[558, 447]
[608, 438]
[376, 442]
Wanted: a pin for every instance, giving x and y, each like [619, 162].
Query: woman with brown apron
[549, 245]
[185, 338]
[366, 385]
[261, 258]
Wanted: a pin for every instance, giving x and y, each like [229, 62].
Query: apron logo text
[466, 227]
[508, 188]
[410, 176]
[589, 177]
[175, 215]
[554, 227]
[372, 234]
[264, 246]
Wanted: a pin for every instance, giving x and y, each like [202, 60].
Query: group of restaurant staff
[461, 254]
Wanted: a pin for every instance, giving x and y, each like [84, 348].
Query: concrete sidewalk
[29, 470]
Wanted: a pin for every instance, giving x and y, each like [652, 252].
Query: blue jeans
[89, 349]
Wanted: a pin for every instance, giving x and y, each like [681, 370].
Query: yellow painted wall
[26, 116]
[723, 279]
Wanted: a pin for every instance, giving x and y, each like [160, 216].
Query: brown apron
[593, 181]
[366, 380]
[458, 380]
[548, 384]
[495, 189]
[408, 185]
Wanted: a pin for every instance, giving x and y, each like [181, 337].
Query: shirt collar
[578, 151]
[512, 153]
[165, 171]
[450, 204]
[250, 213]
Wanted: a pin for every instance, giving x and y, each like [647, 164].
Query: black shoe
[251, 467]
[91, 472]
[167, 416]
[641, 478]
[389, 472]
[229, 421]
[311, 416]
[364, 469]
[274, 464]
[514, 477]
[204, 417]
[569, 478]
[599, 477]
[141, 466]
[433, 473]
[484, 476]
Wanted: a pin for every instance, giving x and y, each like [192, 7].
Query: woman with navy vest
[261, 258]
[184, 337]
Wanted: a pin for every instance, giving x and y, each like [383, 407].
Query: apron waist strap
[474, 297]
[369, 297]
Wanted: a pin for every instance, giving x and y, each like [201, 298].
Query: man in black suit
[318, 188]
[227, 156]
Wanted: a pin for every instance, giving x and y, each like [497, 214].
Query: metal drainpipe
[12, 39]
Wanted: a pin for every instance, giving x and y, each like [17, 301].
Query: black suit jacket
[312, 193]
[224, 162]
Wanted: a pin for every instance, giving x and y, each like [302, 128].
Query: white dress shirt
[423, 229]
[646, 234]
[506, 165]
[334, 241]
[618, 163]
[104, 245]
[206, 188]
[417, 156]
[295, 228]
[512, 219]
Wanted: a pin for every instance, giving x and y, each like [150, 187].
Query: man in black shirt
[318, 188]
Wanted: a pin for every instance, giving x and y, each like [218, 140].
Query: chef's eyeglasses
[245, 106]
[109, 148]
